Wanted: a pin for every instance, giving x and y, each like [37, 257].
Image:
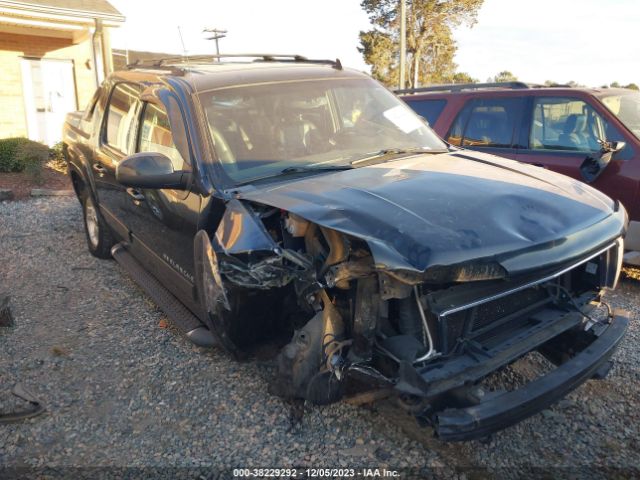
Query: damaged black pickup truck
[276, 199]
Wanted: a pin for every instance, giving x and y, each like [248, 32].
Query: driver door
[563, 132]
[163, 222]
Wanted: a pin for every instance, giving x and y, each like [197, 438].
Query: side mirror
[151, 170]
[592, 167]
[612, 147]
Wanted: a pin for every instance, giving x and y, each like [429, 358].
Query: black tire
[99, 237]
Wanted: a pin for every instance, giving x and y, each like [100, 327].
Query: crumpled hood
[447, 209]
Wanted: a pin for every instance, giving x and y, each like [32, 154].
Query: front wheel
[99, 238]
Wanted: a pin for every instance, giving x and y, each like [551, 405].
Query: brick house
[53, 54]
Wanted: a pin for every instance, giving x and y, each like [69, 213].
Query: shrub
[20, 154]
[56, 158]
[8, 149]
[57, 152]
[32, 156]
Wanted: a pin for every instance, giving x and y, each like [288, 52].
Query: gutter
[22, 7]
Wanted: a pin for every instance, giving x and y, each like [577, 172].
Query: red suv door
[563, 130]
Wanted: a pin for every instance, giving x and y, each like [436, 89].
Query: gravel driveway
[121, 391]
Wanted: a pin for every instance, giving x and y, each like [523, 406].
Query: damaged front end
[354, 324]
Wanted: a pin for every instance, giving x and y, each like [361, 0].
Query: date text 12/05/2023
[315, 472]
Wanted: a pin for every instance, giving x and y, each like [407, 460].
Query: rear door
[489, 125]
[563, 131]
[116, 141]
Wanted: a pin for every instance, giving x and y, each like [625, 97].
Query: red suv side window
[565, 124]
[486, 123]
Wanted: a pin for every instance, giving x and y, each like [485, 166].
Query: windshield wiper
[303, 169]
[299, 169]
[386, 152]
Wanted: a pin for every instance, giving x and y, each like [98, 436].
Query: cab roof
[226, 71]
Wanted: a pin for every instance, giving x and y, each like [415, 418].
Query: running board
[180, 315]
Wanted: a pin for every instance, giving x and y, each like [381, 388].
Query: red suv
[589, 134]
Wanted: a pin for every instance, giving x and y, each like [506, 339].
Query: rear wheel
[99, 238]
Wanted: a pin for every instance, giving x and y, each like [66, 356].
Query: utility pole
[217, 35]
[403, 41]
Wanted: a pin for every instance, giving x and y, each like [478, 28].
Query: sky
[592, 42]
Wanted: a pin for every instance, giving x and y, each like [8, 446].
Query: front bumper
[508, 408]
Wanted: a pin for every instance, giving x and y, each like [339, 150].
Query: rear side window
[565, 124]
[486, 123]
[156, 136]
[428, 109]
[121, 115]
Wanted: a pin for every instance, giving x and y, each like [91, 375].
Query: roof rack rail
[166, 62]
[458, 87]
[155, 64]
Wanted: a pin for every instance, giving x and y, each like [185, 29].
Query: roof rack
[169, 62]
[458, 87]
[155, 64]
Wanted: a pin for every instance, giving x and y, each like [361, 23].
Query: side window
[486, 123]
[428, 109]
[156, 136]
[454, 137]
[491, 123]
[561, 123]
[121, 115]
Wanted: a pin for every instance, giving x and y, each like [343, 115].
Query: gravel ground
[121, 391]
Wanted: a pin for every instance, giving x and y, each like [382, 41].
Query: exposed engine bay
[355, 325]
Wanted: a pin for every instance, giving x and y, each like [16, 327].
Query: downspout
[97, 49]
[93, 31]
[107, 58]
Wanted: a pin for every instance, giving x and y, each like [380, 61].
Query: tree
[430, 44]
[504, 76]
[378, 51]
[632, 86]
[463, 77]
[614, 85]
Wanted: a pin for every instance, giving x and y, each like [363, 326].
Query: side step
[180, 315]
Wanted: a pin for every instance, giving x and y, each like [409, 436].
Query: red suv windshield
[626, 107]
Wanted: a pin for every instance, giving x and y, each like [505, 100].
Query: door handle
[97, 167]
[136, 194]
[539, 165]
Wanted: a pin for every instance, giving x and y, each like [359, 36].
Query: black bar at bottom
[509, 408]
